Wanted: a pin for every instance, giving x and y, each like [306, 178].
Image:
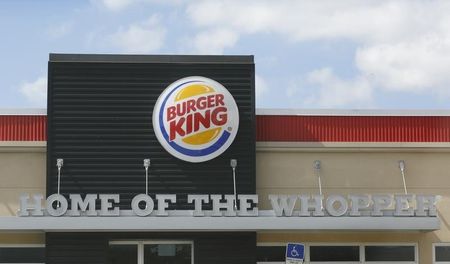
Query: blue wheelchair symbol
[295, 251]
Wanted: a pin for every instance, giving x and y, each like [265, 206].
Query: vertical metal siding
[23, 128]
[100, 123]
[353, 128]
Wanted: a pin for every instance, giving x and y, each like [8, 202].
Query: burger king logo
[195, 119]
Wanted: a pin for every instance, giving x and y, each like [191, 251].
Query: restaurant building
[164, 159]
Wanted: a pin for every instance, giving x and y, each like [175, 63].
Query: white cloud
[307, 20]
[114, 5]
[327, 90]
[214, 41]
[36, 91]
[421, 66]
[261, 87]
[145, 37]
[402, 45]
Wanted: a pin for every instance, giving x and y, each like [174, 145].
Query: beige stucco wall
[286, 170]
[355, 170]
[22, 170]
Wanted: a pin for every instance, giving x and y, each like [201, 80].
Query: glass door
[168, 253]
[151, 252]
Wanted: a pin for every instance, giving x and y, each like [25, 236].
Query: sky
[346, 54]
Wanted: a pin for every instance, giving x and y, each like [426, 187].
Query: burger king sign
[195, 119]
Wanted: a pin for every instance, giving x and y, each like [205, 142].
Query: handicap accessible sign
[295, 253]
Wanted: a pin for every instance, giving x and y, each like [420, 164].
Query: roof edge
[288, 112]
[23, 111]
[135, 58]
[352, 112]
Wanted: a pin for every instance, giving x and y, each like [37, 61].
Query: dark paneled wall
[76, 248]
[100, 123]
[90, 248]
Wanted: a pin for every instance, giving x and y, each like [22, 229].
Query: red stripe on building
[23, 128]
[353, 128]
[288, 128]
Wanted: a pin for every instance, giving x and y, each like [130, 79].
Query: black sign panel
[100, 122]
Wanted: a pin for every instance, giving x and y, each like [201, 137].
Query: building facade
[351, 186]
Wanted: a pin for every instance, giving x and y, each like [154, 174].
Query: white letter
[343, 205]
[358, 202]
[315, 203]
[283, 203]
[380, 203]
[424, 203]
[149, 205]
[89, 202]
[36, 207]
[228, 205]
[106, 204]
[162, 204]
[244, 204]
[198, 199]
[402, 202]
[61, 205]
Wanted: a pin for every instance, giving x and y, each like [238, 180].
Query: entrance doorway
[151, 252]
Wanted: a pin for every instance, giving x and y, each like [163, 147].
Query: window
[334, 253]
[441, 253]
[270, 253]
[167, 254]
[22, 253]
[151, 252]
[123, 254]
[390, 253]
[346, 253]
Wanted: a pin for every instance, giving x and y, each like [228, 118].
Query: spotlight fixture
[233, 164]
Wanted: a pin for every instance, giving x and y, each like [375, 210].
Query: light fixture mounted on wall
[233, 164]
[317, 166]
[402, 167]
[146, 166]
[59, 165]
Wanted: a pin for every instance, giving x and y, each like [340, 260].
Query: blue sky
[308, 54]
